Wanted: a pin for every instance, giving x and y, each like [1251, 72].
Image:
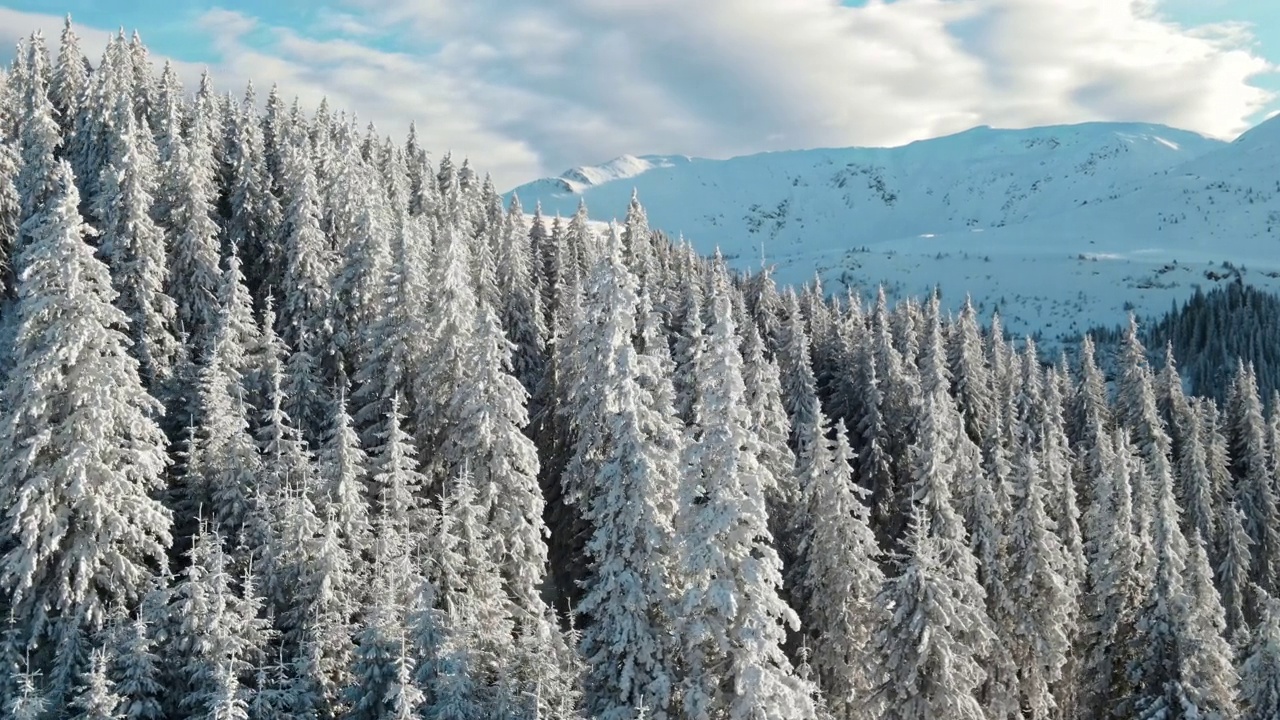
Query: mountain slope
[1062, 227]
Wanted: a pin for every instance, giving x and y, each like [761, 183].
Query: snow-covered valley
[1062, 228]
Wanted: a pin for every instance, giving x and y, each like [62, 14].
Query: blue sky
[531, 87]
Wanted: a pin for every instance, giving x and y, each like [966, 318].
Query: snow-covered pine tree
[207, 121]
[379, 643]
[490, 415]
[70, 79]
[38, 180]
[822, 317]
[800, 398]
[10, 208]
[842, 578]
[628, 500]
[421, 185]
[689, 345]
[344, 469]
[363, 262]
[94, 124]
[1211, 674]
[770, 424]
[488, 237]
[167, 114]
[1089, 417]
[134, 245]
[638, 245]
[521, 309]
[1180, 661]
[395, 338]
[216, 633]
[938, 562]
[81, 455]
[581, 243]
[1195, 489]
[928, 653]
[899, 386]
[850, 331]
[867, 432]
[1260, 673]
[1117, 584]
[764, 304]
[135, 673]
[1056, 464]
[222, 458]
[284, 515]
[252, 229]
[308, 260]
[27, 702]
[97, 698]
[325, 601]
[970, 375]
[732, 618]
[799, 386]
[1172, 401]
[188, 199]
[400, 514]
[1240, 600]
[475, 616]
[1255, 494]
[304, 391]
[451, 317]
[143, 87]
[1038, 621]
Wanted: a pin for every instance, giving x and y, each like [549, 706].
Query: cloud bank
[531, 87]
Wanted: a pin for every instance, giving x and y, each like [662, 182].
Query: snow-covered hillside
[1061, 227]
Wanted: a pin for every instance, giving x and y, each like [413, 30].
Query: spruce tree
[70, 80]
[189, 198]
[394, 341]
[255, 212]
[27, 702]
[39, 178]
[216, 630]
[930, 652]
[927, 655]
[627, 497]
[9, 211]
[94, 126]
[1181, 662]
[135, 673]
[97, 699]
[1239, 593]
[1255, 493]
[134, 246]
[81, 455]
[521, 311]
[841, 580]
[1260, 673]
[308, 264]
[451, 328]
[476, 620]
[488, 418]
[1038, 619]
[732, 618]
[970, 375]
[344, 471]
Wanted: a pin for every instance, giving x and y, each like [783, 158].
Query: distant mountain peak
[578, 180]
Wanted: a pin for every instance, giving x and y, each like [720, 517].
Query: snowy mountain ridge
[580, 179]
[1062, 227]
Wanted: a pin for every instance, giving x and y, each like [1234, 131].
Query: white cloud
[528, 87]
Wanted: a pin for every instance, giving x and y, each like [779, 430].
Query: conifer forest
[301, 421]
